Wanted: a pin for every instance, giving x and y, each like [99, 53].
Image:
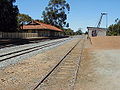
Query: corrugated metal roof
[96, 28]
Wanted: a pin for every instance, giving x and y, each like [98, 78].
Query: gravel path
[26, 74]
[28, 55]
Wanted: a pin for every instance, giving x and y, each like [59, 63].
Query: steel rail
[29, 50]
[24, 50]
[50, 72]
[78, 66]
[21, 43]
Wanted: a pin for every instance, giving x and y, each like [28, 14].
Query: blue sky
[83, 13]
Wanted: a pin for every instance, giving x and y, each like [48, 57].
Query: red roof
[39, 25]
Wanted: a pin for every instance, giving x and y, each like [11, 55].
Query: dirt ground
[106, 42]
[99, 68]
[100, 65]
[27, 74]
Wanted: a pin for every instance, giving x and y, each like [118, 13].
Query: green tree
[40, 21]
[8, 16]
[86, 32]
[114, 29]
[79, 32]
[117, 21]
[69, 32]
[55, 13]
[24, 19]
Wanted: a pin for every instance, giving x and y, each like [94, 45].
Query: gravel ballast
[27, 73]
[27, 55]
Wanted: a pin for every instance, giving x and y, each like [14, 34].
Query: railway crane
[99, 23]
[97, 31]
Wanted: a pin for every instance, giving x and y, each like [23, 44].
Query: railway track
[20, 43]
[14, 54]
[64, 74]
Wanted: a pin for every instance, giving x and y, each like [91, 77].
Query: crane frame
[99, 23]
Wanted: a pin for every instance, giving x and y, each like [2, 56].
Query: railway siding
[15, 54]
[26, 74]
[64, 76]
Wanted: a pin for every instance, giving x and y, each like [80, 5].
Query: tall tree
[79, 31]
[55, 14]
[68, 32]
[86, 32]
[8, 16]
[24, 19]
[117, 21]
[114, 29]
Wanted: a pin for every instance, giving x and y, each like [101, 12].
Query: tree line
[55, 14]
[8, 16]
[70, 32]
[114, 29]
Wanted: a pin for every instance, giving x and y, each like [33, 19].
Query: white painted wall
[100, 31]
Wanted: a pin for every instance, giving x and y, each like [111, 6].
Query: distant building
[94, 31]
[43, 30]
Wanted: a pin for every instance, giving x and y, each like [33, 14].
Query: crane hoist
[95, 31]
[99, 23]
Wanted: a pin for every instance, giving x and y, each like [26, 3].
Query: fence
[17, 35]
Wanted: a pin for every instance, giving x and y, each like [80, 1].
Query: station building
[43, 30]
[94, 31]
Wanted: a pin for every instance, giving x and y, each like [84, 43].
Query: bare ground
[106, 42]
[100, 65]
[99, 69]
[26, 74]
